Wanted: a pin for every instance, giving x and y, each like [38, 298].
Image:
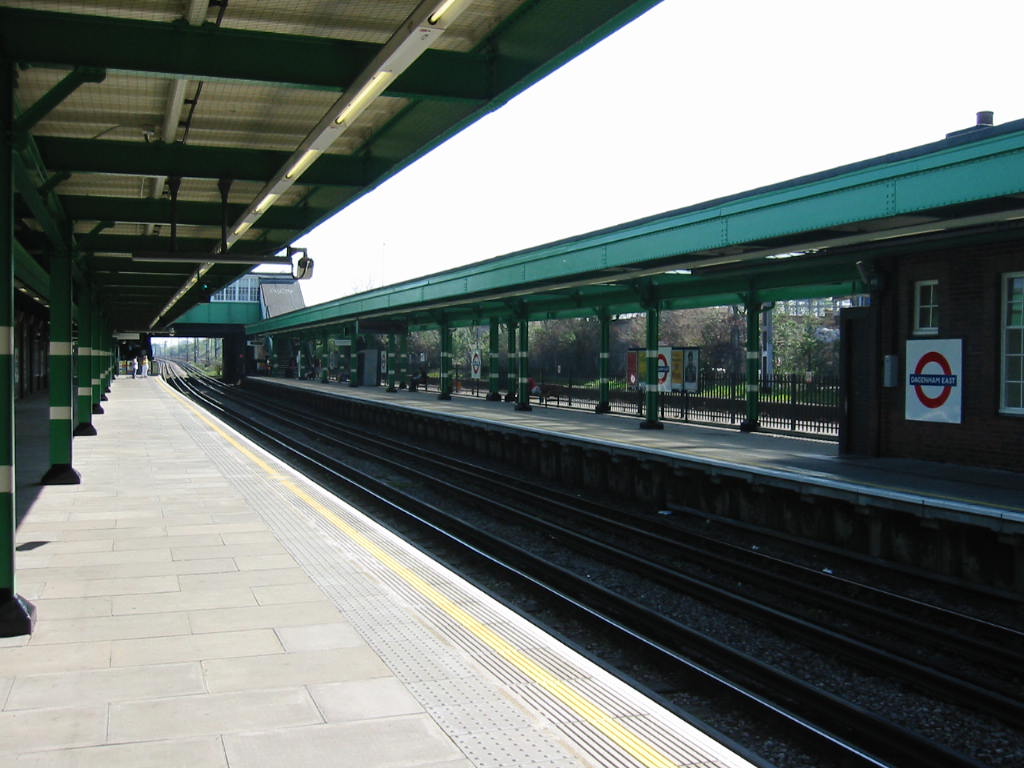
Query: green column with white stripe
[651, 399]
[523, 376]
[95, 354]
[605, 317]
[446, 361]
[17, 615]
[493, 356]
[752, 423]
[513, 365]
[403, 359]
[62, 393]
[83, 365]
[99, 361]
[392, 362]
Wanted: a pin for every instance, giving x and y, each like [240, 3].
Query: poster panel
[691, 368]
[934, 383]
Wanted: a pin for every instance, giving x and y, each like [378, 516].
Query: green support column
[446, 361]
[392, 362]
[403, 360]
[523, 377]
[95, 361]
[61, 374]
[17, 615]
[606, 334]
[83, 365]
[325, 357]
[751, 423]
[651, 400]
[513, 365]
[493, 357]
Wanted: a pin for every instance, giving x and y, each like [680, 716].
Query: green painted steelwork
[159, 211]
[61, 381]
[160, 159]
[828, 220]
[28, 271]
[214, 53]
[78, 77]
[222, 313]
[651, 394]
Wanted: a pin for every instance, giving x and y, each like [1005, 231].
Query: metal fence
[788, 402]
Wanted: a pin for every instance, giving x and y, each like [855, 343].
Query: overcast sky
[690, 102]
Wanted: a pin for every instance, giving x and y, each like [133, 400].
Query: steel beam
[161, 159]
[209, 52]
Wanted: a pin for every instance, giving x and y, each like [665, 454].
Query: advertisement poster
[934, 380]
[690, 368]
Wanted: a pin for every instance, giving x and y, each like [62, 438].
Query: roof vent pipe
[985, 118]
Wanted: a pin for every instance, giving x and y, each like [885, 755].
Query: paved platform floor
[200, 605]
[960, 490]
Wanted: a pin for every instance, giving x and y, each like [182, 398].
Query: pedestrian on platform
[135, 366]
[144, 364]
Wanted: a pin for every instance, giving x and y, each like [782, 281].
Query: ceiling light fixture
[441, 10]
[415, 35]
[367, 93]
[302, 164]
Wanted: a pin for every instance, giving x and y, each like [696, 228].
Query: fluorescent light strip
[373, 88]
[266, 202]
[242, 228]
[307, 159]
[440, 11]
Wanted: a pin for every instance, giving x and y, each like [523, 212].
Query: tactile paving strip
[439, 658]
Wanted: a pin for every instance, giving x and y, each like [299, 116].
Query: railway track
[824, 722]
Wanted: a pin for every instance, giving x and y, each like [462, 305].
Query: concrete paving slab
[318, 637]
[109, 628]
[291, 669]
[79, 588]
[289, 593]
[75, 608]
[384, 743]
[60, 728]
[35, 659]
[215, 645]
[105, 685]
[259, 578]
[169, 602]
[207, 752]
[364, 699]
[209, 714]
[264, 616]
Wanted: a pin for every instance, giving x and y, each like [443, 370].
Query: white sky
[692, 101]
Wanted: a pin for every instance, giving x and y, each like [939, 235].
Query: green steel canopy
[828, 234]
[212, 133]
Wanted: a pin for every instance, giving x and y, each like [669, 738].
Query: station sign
[934, 385]
[677, 368]
[476, 362]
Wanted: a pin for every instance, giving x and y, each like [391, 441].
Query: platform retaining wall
[983, 550]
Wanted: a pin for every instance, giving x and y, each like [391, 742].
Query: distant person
[533, 388]
[144, 365]
[135, 366]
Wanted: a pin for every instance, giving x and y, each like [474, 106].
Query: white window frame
[926, 330]
[1004, 353]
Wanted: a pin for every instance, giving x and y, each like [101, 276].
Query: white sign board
[664, 363]
[934, 383]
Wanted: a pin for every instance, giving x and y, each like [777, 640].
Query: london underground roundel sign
[934, 380]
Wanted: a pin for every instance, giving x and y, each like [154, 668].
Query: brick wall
[969, 298]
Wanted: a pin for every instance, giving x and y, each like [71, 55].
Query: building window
[1013, 343]
[245, 288]
[926, 307]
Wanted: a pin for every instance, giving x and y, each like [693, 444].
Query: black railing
[786, 402]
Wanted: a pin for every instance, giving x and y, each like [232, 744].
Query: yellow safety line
[597, 716]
